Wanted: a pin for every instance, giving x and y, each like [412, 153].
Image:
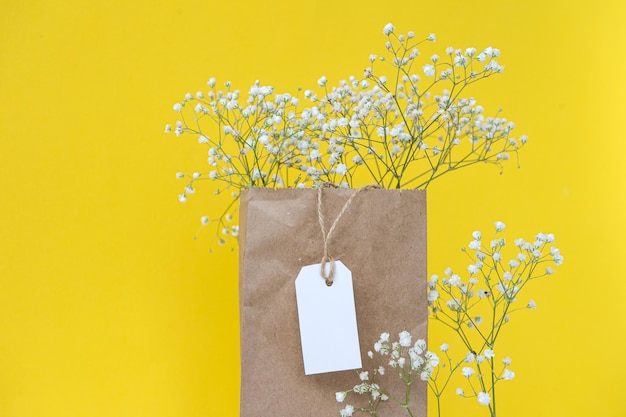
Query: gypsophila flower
[474, 245]
[405, 338]
[492, 290]
[444, 347]
[340, 396]
[483, 398]
[388, 29]
[508, 375]
[460, 392]
[429, 70]
[347, 411]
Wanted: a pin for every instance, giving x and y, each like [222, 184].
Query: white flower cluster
[492, 277]
[477, 306]
[411, 361]
[391, 126]
[474, 366]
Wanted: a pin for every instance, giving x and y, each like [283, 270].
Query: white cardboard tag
[327, 316]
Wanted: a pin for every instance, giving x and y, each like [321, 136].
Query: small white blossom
[420, 346]
[467, 371]
[429, 70]
[489, 354]
[388, 29]
[508, 375]
[432, 359]
[459, 392]
[340, 396]
[347, 411]
[341, 169]
[444, 347]
[405, 338]
[532, 305]
[500, 226]
[483, 398]
[455, 280]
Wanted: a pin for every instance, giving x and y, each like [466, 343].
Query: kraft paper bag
[380, 237]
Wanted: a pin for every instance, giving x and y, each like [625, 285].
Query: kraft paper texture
[381, 238]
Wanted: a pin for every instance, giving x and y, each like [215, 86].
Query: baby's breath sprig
[403, 124]
[411, 362]
[476, 309]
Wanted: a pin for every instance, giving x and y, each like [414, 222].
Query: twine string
[326, 258]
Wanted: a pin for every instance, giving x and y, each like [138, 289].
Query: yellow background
[108, 307]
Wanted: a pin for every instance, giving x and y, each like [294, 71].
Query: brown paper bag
[381, 238]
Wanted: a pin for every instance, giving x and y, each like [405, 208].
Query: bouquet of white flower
[403, 124]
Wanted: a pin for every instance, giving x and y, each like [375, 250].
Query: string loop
[328, 260]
